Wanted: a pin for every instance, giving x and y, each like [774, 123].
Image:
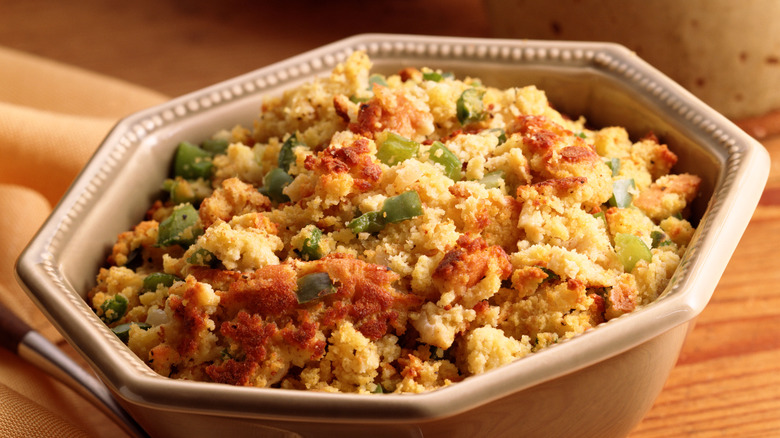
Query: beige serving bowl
[598, 384]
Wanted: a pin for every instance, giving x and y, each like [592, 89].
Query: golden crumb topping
[395, 233]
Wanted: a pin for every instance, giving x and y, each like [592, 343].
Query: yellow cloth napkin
[52, 117]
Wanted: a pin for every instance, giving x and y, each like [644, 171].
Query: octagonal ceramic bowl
[600, 383]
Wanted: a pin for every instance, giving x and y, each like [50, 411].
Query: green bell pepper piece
[311, 249]
[469, 107]
[452, 164]
[402, 207]
[154, 280]
[314, 286]
[215, 147]
[286, 153]
[191, 162]
[113, 308]
[274, 183]
[395, 149]
[123, 330]
[179, 228]
[370, 222]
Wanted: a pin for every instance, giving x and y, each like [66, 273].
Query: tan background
[727, 380]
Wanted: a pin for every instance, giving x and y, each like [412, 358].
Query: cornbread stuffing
[397, 233]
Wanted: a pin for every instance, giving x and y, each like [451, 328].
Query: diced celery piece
[436, 76]
[493, 180]
[376, 79]
[621, 193]
[614, 166]
[631, 249]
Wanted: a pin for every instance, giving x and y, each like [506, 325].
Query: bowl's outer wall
[605, 400]
[59, 266]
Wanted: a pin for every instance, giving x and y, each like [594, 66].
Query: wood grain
[727, 380]
[177, 46]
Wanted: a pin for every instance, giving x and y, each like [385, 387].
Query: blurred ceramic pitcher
[727, 52]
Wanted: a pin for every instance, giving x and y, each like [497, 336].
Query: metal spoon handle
[18, 337]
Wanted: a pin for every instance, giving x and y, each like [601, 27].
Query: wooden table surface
[727, 380]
